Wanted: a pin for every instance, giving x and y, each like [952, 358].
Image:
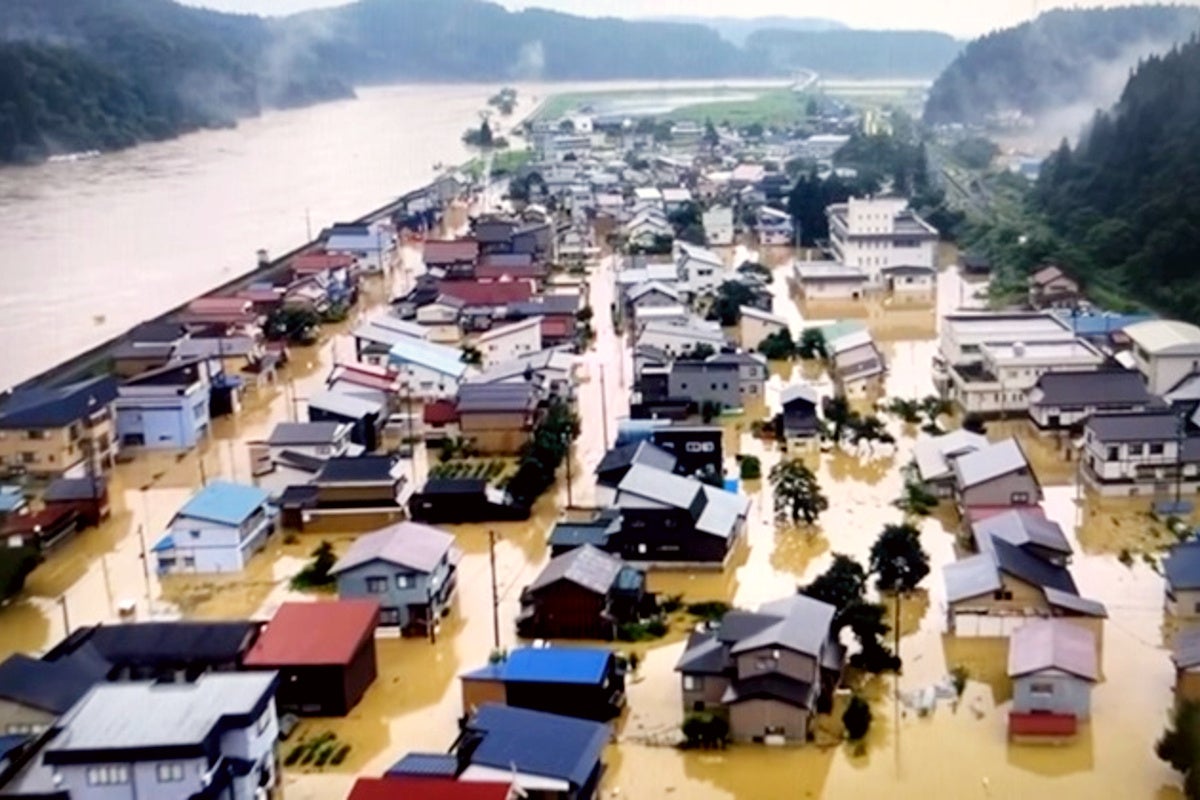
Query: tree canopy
[798, 494]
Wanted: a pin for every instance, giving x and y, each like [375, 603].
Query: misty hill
[856, 54]
[738, 29]
[1063, 59]
[80, 75]
[1123, 198]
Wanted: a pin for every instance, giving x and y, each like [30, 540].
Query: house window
[1156, 449]
[1135, 449]
[1041, 689]
[765, 663]
[189, 561]
[389, 616]
[691, 683]
[1019, 498]
[38, 435]
[377, 585]
[1196, 608]
[28, 458]
[1112, 454]
[1002, 594]
[169, 773]
[405, 581]
[108, 775]
[264, 720]
[198, 411]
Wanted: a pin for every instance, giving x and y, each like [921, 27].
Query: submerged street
[957, 750]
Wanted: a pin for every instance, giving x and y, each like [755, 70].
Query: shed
[580, 682]
[1053, 665]
[324, 652]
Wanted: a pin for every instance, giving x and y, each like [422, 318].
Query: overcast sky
[960, 17]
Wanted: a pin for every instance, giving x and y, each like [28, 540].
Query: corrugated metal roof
[1162, 336]
[1182, 566]
[1020, 527]
[225, 503]
[581, 665]
[584, 566]
[406, 544]
[987, 463]
[1052, 644]
[314, 634]
[437, 357]
[537, 743]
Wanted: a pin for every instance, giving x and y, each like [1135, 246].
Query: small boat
[72, 157]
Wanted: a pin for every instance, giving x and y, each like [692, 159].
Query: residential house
[773, 227]
[585, 593]
[369, 381]
[546, 756]
[295, 451]
[828, 280]
[588, 526]
[409, 568]
[678, 340]
[215, 737]
[366, 412]
[995, 475]
[755, 326]
[86, 496]
[618, 460]
[371, 246]
[1181, 568]
[673, 520]
[876, 232]
[910, 279]
[497, 418]
[696, 384]
[747, 175]
[53, 431]
[324, 653]
[1165, 351]
[934, 459]
[1050, 287]
[768, 672]
[549, 371]
[507, 342]
[1053, 666]
[41, 530]
[442, 318]
[698, 449]
[175, 650]
[638, 270]
[503, 267]
[428, 371]
[1001, 381]
[1025, 527]
[858, 365]
[647, 228]
[584, 682]
[670, 314]
[800, 423]
[700, 270]
[1006, 584]
[751, 371]
[487, 298]
[452, 258]
[1065, 400]
[373, 339]
[1185, 655]
[458, 500]
[217, 530]
[649, 196]
[652, 294]
[374, 487]
[718, 226]
[676, 198]
[334, 265]
[1146, 453]
[557, 312]
[147, 346]
[35, 693]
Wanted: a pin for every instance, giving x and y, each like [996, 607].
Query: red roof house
[316, 263]
[497, 293]
[324, 652]
[427, 789]
[450, 252]
[500, 266]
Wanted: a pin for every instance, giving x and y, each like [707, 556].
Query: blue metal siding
[1070, 695]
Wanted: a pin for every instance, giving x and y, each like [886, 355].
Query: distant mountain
[854, 53]
[80, 75]
[1123, 199]
[738, 29]
[1064, 64]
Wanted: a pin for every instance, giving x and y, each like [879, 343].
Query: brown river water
[957, 752]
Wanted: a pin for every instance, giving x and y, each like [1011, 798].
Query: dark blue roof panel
[579, 665]
[538, 744]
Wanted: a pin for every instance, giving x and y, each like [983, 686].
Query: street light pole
[495, 590]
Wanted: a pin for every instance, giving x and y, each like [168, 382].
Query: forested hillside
[81, 74]
[1061, 59]
[856, 54]
[1124, 199]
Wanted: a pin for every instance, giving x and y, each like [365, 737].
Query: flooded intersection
[959, 752]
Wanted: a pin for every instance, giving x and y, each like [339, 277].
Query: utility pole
[62, 602]
[603, 406]
[495, 591]
[1179, 431]
[570, 502]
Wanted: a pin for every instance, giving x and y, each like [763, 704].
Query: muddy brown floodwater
[414, 704]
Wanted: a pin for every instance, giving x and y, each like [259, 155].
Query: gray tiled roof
[660, 486]
[643, 452]
[294, 433]
[406, 544]
[1135, 427]
[971, 577]
[1099, 388]
[1186, 650]
[802, 624]
[1052, 644]
[1182, 566]
[933, 456]
[585, 566]
[980, 466]
[722, 510]
[1021, 527]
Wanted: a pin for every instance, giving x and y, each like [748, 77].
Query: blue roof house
[546, 755]
[216, 531]
[1182, 570]
[428, 370]
[583, 682]
[165, 408]
[371, 246]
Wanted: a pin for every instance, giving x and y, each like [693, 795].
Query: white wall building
[506, 342]
[676, 340]
[700, 270]
[1001, 381]
[874, 233]
[718, 226]
[1165, 351]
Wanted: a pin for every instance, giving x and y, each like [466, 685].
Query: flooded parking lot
[959, 751]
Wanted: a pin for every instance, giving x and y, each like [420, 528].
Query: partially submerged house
[34, 693]
[1140, 453]
[497, 418]
[857, 364]
[799, 422]
[323, 652]
[829, 280]
[409, 568]
[995, 475]
[584, 593]
[1053, 665]
[934, 459]
[1050, 287]
[1024, 527]
[217, 530]
[54, 431]
[457, 500]
[375, 488]
[1185, 655]
[166, 407]
[1181, 569]
[1065, 400]
[426, 370]
[769, 672]
[584, 682]
[365, 412]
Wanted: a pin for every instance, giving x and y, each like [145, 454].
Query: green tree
[705, 730]
[711, 139]
[812, 344]
[778, 346]
[756, 269]
[700, 351]
[797, 492]
[907, 410]
[838, 414]
[898, 560]
[870, 429]
[731, 296]
[974, 423]
[471, 355]
[842, 585]
[316, 573]
[857, 718]
[750, 468]
[916, 501]
[1179, 746]
[15, 565]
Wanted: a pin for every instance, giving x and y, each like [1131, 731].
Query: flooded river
[954, 752]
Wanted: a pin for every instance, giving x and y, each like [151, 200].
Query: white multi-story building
[1140, 453]
[1001, 381]
[700, 270]
[506, 342]
[874, 233]
[1165, 351]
